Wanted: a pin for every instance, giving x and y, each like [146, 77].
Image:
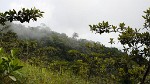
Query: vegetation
[24, 15]
[31, 74]
[49, 57]
[8, 65]
[135, 42]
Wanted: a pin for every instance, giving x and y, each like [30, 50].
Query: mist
[69, 16]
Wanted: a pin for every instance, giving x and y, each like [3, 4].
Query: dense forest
[38, 55]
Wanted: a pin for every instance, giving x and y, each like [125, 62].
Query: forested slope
[42, 47]
[42, 54]
[45, 48]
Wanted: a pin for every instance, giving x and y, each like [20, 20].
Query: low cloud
[69, 16]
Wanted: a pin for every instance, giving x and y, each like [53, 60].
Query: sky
[69, 16]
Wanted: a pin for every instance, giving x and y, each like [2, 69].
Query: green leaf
[12, 53]
[17, 67]
[5, 58]
[1, 50]
[34, 18]
[13, 78]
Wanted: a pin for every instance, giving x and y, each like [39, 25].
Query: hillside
[44, 48]
[39, 55]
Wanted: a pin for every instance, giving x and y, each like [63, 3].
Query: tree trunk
[146, 73]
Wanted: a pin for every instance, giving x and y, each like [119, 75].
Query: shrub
[8, 65]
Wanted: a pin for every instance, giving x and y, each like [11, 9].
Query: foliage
[135, 42]
[23, 15]
[8, 65]
[46, 54]
[55, 52]
[75, 35]
[36, 75]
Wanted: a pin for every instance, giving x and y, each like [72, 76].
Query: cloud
[69, 16]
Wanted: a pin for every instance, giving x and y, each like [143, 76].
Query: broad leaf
[13, 78]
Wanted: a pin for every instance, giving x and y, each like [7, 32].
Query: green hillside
[38, 55]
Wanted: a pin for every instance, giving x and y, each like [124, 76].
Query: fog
[69, 16]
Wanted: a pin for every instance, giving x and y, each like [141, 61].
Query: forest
[39, 55]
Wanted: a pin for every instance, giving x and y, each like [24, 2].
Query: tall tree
[136, 42]
[75, 35]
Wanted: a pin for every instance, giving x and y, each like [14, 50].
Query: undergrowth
[30, 74]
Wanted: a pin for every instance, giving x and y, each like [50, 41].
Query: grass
[30, 74]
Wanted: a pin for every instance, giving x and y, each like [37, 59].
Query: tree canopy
[23, 15]
[136, 41]
[90, 60]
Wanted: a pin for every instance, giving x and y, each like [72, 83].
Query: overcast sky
[69, 16]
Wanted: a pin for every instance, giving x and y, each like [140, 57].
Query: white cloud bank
[68, 16]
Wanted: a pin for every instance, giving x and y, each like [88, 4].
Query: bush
[8, 66]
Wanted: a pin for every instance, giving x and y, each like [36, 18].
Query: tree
[24, 15]
[8, 63]
[111, 41]
[135, 42]
[75, 35]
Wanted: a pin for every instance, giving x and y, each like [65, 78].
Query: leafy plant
[8, 65]
[136, 42]
[24, 15]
